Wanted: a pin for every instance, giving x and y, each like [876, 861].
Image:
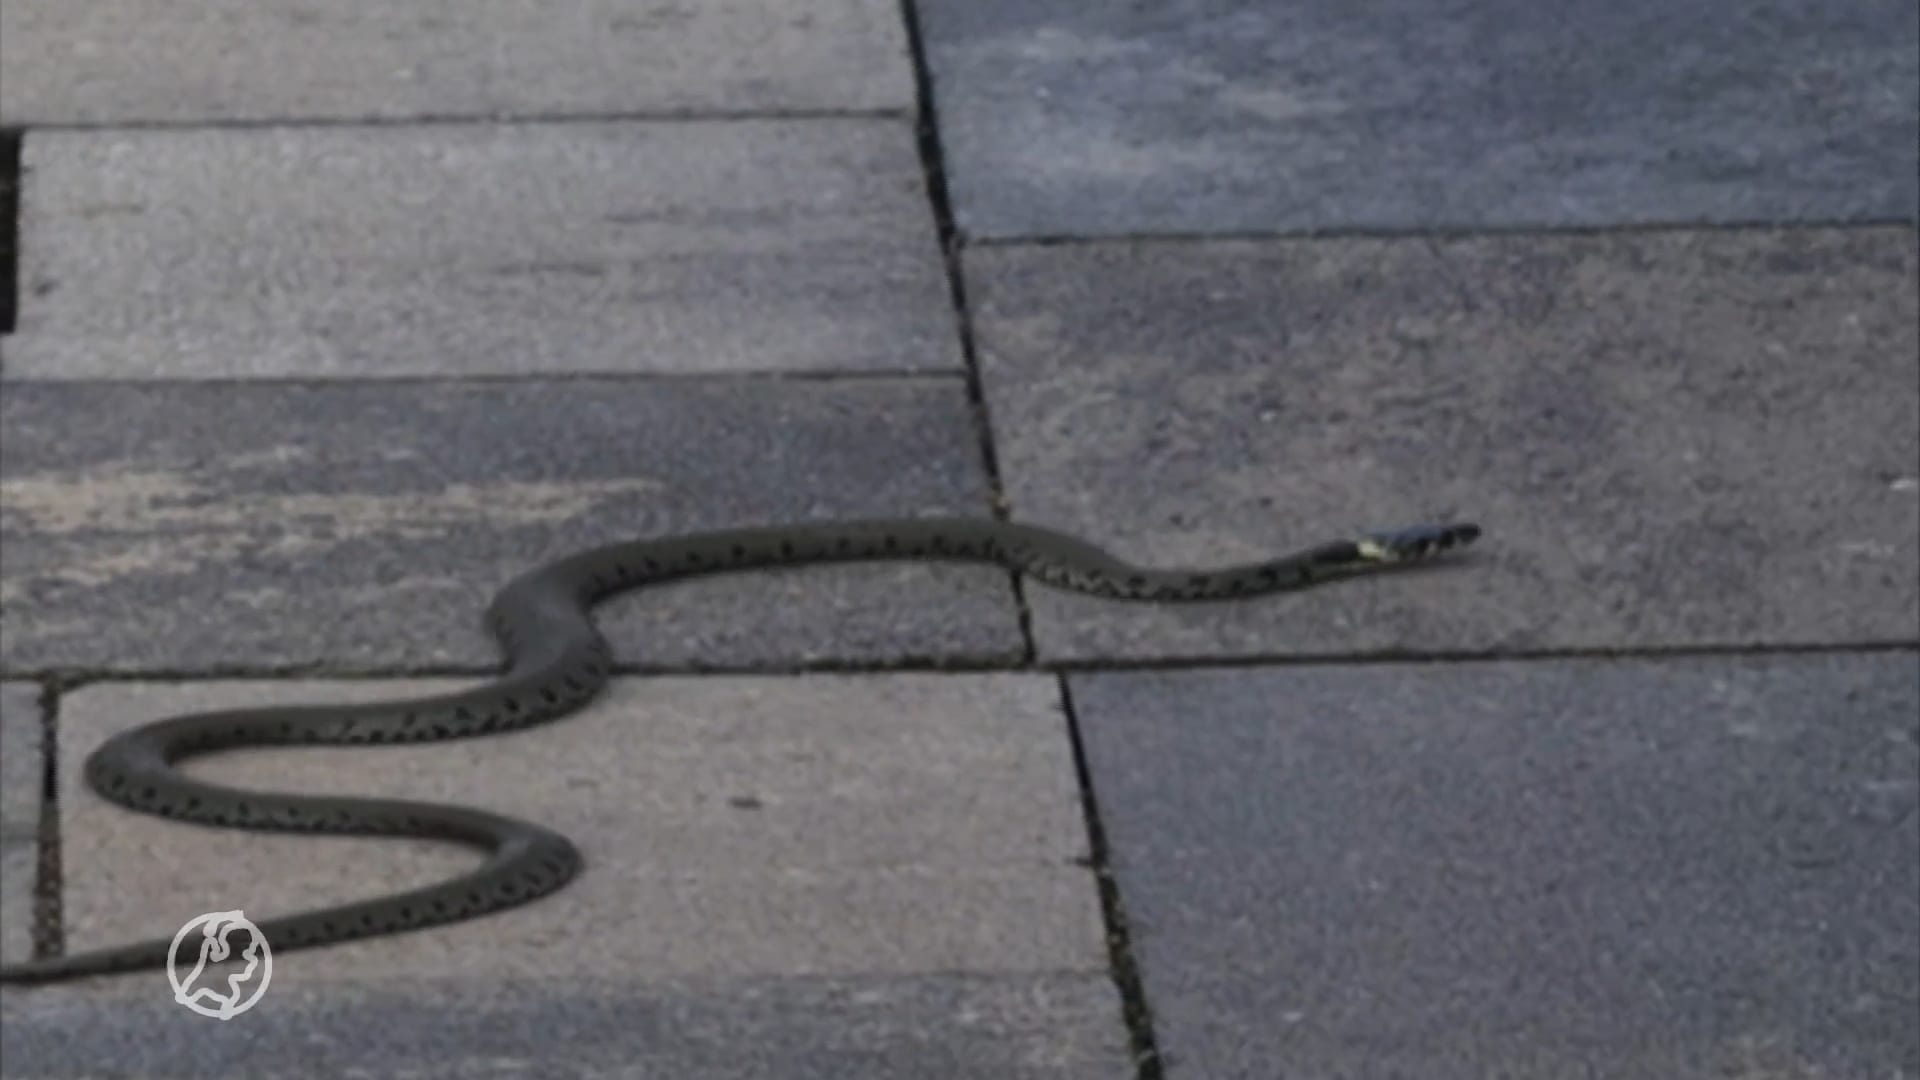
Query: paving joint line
[691, 115]
[9, 227]
[69, 679]
[934, 170]
[1486, 656]
[1122, 965]
[1434, 232]
[310, 382]
[49, 924]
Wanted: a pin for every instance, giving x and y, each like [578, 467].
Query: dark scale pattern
[557, 663]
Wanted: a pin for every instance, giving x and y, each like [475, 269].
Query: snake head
[1416, 542]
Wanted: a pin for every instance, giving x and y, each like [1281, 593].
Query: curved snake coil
[557, 661]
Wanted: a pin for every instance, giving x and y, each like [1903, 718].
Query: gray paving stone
[21, 780]
[19, 874]
[120, 61]
[1024, 1027]
[1673, 438]
[733, 826]
[471, 249]
[1063, 118]
[365, 526]
[1671, 869]
[20, 762]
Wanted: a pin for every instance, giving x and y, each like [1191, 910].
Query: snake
[556, 661]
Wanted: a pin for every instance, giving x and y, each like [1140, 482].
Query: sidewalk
[333, 318]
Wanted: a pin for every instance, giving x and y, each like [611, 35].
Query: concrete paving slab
[19, 875]
[1063, 118]
[21, 784]
[1672, 438]
[133, 61]
[467, 249]
[20, 762]
[1016, 1027]
[1674, 868]
[364, 527]
[732, 826]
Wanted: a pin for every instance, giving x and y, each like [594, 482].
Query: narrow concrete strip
[1063, 118]
[315, 252]
[1679, 868]
[1672, 439]
[21, 776]
[128, 61]
[365, 527]
[965, 1027]
[815, 825]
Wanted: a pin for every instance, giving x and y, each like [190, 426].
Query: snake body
[556, 662]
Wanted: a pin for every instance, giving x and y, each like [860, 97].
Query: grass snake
[556, 662]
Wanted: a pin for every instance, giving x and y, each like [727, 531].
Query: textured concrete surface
[1004, 1027]
[732, 826]
[120, 61]
[366, 526]
[469, 249]
[335, 318]
[1674, 438]
[1205, 115]
[21, 772]
[1674, 869]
